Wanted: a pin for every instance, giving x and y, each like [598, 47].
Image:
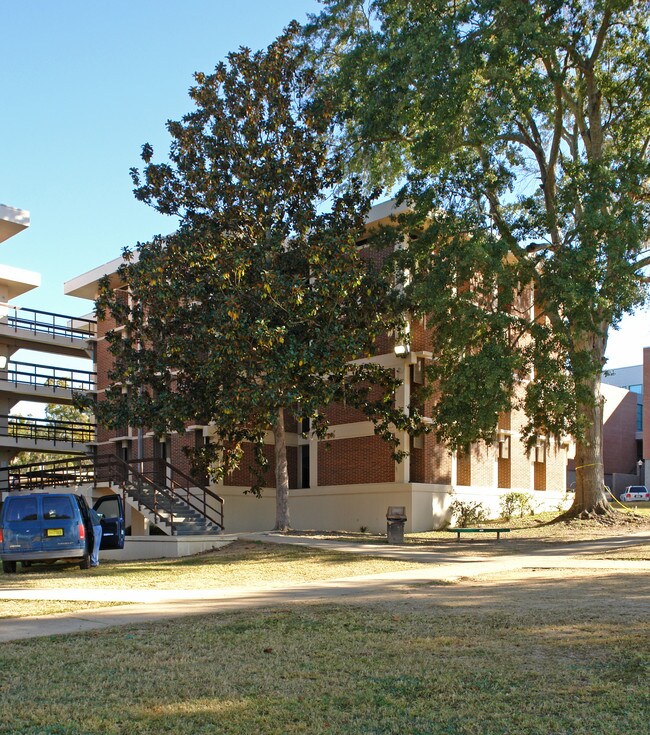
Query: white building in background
[46, 333]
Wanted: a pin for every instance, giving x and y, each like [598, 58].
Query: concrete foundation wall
[337, 507]
[490, 498]
[163, 547]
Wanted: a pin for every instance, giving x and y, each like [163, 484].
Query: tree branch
[601, 35]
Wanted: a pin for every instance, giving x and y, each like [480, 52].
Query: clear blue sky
[85, 85]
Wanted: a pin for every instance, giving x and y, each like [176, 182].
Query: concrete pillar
[313, 462]
[402, 400]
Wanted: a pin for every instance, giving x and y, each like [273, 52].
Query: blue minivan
[50, 526]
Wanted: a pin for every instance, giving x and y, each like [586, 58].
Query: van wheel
[85, 562]
[9, 567]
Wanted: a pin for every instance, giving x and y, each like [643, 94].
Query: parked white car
[634, 493]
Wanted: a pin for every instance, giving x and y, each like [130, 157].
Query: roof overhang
[16, 281]
[86, 286]
[12, 221]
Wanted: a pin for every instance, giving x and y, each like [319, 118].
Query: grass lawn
[33, 608]
[537, 528]
[537, 658]
[527, 652]
[640, 552]
[239, 565]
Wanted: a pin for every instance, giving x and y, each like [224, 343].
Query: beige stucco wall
[337, 507]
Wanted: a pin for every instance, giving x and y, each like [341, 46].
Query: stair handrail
[68, 471]
[163, 469]
[128, 475]
[81, 470]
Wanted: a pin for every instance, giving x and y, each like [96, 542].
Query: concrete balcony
[44, 384]
[44, 435]
[12, 221]
[45, 331]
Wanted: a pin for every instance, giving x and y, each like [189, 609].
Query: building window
[639, 417]
[304, 465]
[504, 472]
[463, 468]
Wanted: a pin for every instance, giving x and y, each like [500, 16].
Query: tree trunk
[590, 499]
[281, 476]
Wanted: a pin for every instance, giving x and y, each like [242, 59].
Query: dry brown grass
[535, 655]
[38, 608]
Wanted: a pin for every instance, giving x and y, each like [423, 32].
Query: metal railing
[163, 474]
[152, 483]
[34, 429]
[44, 376]
[58, 472]
[47, 322]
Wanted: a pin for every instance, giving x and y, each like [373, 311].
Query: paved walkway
[433, 566]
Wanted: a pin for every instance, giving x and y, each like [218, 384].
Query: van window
[22, 509]
[57, 509]
[110, 508]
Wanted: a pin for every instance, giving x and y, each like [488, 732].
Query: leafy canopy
[261, 298]
[521, 131]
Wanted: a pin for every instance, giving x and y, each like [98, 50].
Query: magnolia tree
[520, 133]
[254, 308]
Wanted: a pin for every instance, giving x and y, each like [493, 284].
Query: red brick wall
[337, 413]
[419, 336]
[355, 461]
[417, 464]
[437, 461]
[483, 465]
[619, 437]
[243, 476]
[556, 469]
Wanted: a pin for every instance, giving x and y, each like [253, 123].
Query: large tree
[254, 307]
[520, 132]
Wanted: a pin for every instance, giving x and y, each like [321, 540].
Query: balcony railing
[55, 378]
[46, 322]
[57, 432]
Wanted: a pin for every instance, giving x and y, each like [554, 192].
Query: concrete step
[187, 520]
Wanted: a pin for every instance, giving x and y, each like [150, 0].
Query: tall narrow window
[304, 465]
[463, 468]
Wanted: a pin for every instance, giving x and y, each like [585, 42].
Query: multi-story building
[70, 446]
[348, 481]
[50, 336]
[626, 434]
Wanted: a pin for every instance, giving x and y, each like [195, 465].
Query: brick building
[348, 481]
[626, 438]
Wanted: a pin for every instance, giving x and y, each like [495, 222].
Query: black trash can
[395, 520]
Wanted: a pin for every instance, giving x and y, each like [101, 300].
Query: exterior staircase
[170, 499]
[170, 514]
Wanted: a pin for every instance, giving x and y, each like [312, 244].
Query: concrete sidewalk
[433, 567]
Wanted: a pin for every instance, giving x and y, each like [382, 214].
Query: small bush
[467, 513]
[516, 505]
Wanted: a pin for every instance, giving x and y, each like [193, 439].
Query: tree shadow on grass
[533, 655]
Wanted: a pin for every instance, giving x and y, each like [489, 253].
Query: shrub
[516, 505]
[467, 513]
